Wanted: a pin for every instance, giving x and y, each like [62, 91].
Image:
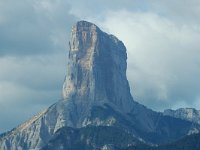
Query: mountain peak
[84, 24]
[96, 67]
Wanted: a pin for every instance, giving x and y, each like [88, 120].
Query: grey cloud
[100, 8]
[33, 27]
[181, 11]
[41, 72]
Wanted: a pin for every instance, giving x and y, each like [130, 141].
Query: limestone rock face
[97, 67]
[96, 93]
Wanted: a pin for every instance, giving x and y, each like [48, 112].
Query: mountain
[189, 114]
[96, 93]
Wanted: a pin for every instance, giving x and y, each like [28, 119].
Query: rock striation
[96, 93]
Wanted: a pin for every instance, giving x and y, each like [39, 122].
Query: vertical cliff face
[97, 67]
[79, 80]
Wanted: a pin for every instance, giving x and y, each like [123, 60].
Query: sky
[161, 37]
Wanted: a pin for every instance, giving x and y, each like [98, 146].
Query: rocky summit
[96, 97]
[97, 68]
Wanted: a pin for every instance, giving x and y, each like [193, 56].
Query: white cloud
[163, 62]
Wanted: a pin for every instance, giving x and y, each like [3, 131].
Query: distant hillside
[189, 114]
[191, 142]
